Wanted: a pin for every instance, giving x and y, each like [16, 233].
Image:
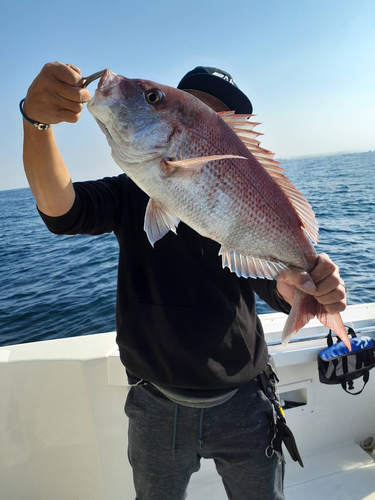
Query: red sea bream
[208, 170]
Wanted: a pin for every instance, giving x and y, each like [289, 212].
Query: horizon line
[290, 158]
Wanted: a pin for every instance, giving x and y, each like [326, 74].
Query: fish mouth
[107, 79]
[107, 88]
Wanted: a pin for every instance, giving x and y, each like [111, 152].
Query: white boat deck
[346, 473]
[63, 433]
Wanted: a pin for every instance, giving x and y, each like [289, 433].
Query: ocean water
[63, 286]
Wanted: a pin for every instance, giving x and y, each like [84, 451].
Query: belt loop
[175, 431]
[201, 430]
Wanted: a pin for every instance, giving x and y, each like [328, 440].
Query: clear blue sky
[307, 66]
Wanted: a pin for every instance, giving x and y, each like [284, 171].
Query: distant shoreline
[324, 155]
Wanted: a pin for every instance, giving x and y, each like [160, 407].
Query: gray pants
[167, 441]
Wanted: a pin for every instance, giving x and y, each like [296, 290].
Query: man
[187, 330]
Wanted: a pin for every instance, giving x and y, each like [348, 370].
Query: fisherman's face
[208, 99]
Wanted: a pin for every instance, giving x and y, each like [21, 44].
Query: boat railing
[320, 336]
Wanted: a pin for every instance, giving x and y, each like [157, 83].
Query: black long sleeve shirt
[182, 320]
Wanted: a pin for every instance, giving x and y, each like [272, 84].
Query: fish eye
[154, 96]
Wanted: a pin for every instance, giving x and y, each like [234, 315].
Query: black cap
[218, 83]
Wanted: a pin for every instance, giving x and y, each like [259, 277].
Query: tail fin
[306, 307]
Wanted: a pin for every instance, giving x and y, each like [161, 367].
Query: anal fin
[250, 267]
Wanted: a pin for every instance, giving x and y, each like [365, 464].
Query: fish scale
[208, 170]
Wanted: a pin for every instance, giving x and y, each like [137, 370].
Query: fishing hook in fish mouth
[91, 78]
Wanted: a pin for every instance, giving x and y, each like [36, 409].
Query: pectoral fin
[158, 221]
[192, 163]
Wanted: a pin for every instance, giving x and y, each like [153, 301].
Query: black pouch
[337, 365]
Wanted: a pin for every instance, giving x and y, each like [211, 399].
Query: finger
[75, 94]
[61, 103]
[57, 103]
[64, 73]
[324, 268]
[68, 116]
[336, 295]
[336, 307]
[328, 285]
[75, 68]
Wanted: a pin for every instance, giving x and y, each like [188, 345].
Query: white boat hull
[63, 432]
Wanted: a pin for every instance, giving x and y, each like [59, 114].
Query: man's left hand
[324, 282]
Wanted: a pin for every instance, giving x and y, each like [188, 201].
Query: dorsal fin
[245, 131]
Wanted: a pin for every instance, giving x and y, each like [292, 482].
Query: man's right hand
[56, 95]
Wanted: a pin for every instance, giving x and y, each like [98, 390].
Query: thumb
[301, 280]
